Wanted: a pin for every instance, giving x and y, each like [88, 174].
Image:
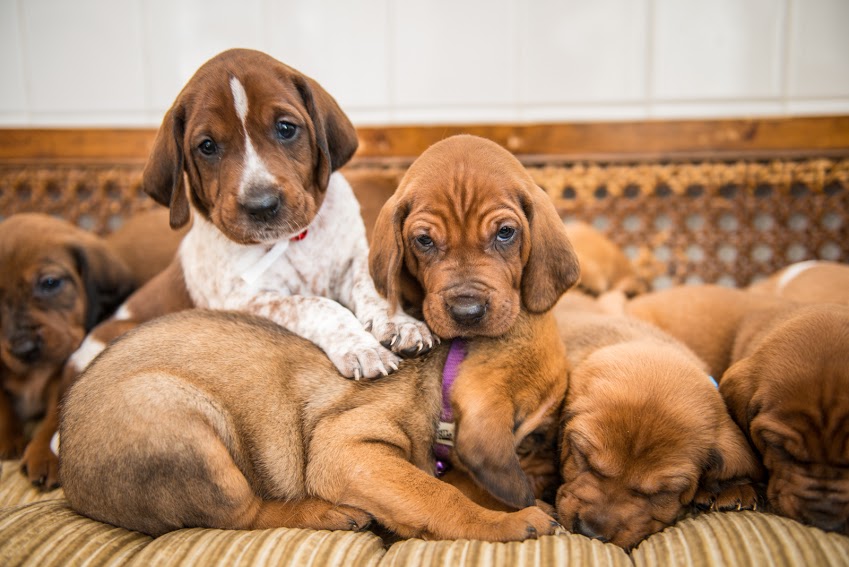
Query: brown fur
[221, 420]
[604, 267]
[436, 248]
[823, 282]
[786, 385]
[645, 432]
[91, 276]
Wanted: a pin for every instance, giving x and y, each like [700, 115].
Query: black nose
[590, 528]
[25, 347]
[825, 518]
[467, 309]
[262, 206]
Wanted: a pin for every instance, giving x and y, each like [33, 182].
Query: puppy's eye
[49, 285]
[207, 147]
[505, 234]
[286, 130]
[424, 241]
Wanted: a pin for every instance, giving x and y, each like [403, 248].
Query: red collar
[299, 236]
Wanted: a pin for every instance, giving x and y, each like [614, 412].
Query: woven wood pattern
[714, 222]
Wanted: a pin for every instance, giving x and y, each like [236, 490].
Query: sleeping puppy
[226, 420]
[249, 150]
[469, 240]
[56, 282]
[645, 432]
[811, 281]
[604, 267]
[786, 385]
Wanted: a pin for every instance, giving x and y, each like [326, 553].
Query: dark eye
[424, 241]
[207, 147]
[505, 234]
[49, 284]
[286, 130]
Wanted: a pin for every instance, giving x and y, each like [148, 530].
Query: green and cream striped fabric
[40, 530]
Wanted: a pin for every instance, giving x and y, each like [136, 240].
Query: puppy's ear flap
[335, 136]
[106, 279]
[552, 266]
[162, 178]
[737, 387]
[386, 253]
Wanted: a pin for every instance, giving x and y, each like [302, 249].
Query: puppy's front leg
[397, 331]
[39, 462]
[11, 434]
[412, 503]
[333, 328]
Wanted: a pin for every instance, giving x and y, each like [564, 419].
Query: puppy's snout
[590, 527]
[25, 347]
[825, 517]
[467, 309]
[262, 205]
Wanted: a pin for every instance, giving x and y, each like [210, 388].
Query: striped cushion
[41, 530]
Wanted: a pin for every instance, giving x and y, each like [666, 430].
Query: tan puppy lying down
[814, 281]
[645, 432]
[786, 385]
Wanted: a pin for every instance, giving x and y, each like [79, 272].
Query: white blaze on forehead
[253, 168]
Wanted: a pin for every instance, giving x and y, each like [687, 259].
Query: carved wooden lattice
[726, 222]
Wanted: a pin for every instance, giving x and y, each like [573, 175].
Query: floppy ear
[391, 277]
[737, 386]
[335, 136]
[552, 266]
[162, 178]
[106, 279]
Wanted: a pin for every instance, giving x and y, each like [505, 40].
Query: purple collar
[445, 432]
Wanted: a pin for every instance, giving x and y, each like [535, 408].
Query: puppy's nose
[825, 518]
[262, 206]
[589, 527]
[25, 347]
[467, 309]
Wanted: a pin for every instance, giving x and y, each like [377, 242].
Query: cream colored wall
[121, 62]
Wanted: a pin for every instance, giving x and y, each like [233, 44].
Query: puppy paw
[342, 517]
[41, 466]
[363, 358]
[728, 496]
[529, 523]
[402, 334]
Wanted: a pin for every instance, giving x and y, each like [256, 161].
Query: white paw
[403, 334]
[360, 356]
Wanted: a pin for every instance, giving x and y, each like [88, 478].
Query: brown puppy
[56, 282]
[786, 384]
[645, 432]
[814, 281]
[214, 419]
[604, 267]
[471, 241]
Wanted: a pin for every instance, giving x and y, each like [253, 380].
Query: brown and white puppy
[786, 383]
[56, 282]
[604, 267]
[814, 281]
[252, 147]
[471, 241]
[645, 432]
[226, 420]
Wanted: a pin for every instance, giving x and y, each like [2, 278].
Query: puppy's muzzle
[26, 347]
[467, 310]
[589, 527]
[825, 516]
[262, 205]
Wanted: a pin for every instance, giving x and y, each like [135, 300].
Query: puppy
[469, 240]
[604, 267]
[250, 146]
[225, 420]
[811, 281]
[56, 282]
[786, 385]
[645, 432]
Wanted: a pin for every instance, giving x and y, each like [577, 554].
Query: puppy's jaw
[500, 312]
[821, 501]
